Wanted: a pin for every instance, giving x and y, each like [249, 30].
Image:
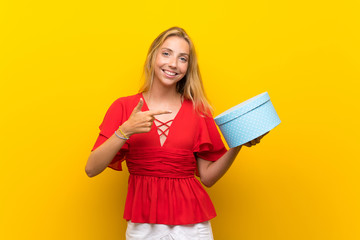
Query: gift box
[248, 120]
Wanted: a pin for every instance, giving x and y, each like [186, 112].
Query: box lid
[242, 108]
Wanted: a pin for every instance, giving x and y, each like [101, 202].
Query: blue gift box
[248, 120]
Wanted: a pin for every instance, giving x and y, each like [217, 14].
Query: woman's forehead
[177, 44]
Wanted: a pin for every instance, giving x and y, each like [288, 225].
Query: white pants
[141, 231]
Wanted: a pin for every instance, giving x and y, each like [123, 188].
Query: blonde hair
[190, 86]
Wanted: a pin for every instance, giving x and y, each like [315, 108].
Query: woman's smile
[168, 73]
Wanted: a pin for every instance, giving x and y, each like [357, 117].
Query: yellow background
[62, 63]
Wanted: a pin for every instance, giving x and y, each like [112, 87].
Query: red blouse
[162, 187]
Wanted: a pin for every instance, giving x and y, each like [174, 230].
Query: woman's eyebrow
[167, 49]
[184, 54]
[173, 51]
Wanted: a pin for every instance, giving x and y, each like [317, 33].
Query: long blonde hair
[190, 86]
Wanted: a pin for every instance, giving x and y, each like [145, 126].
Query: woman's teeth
[170, 73]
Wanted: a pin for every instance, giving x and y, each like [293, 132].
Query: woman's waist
[167, 174]
[172, 164]
[161, 170]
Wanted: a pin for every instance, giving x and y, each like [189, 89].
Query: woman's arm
[138, 122]
[211, 172]
[102, 156]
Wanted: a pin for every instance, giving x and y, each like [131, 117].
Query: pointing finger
[159, 112]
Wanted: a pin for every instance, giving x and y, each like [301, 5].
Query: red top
[162, 187]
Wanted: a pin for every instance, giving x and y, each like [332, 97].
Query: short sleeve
[114, 117]
[209, 144]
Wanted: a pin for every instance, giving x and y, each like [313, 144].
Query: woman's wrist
[123, 129]
[120, 135]
[237, 149]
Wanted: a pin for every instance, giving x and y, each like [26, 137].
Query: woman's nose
[172, 62]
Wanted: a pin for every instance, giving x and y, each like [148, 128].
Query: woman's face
[171, 61]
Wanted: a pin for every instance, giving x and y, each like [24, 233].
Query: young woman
[167, 135]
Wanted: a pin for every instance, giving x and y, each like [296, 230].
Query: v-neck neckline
[154, 128]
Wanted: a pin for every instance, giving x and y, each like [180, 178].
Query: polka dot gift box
[248, 120]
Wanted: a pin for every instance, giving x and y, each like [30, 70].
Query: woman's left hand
[255, 141]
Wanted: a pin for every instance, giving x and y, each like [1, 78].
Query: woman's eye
[165, 54]
[183, 59]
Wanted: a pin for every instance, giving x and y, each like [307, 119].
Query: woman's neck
[160, 95]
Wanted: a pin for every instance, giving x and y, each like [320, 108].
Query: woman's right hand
[255, 141]
[139, 121]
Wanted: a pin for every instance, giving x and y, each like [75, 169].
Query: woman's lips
[169, 73]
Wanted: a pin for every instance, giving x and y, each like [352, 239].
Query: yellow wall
[63, 63]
